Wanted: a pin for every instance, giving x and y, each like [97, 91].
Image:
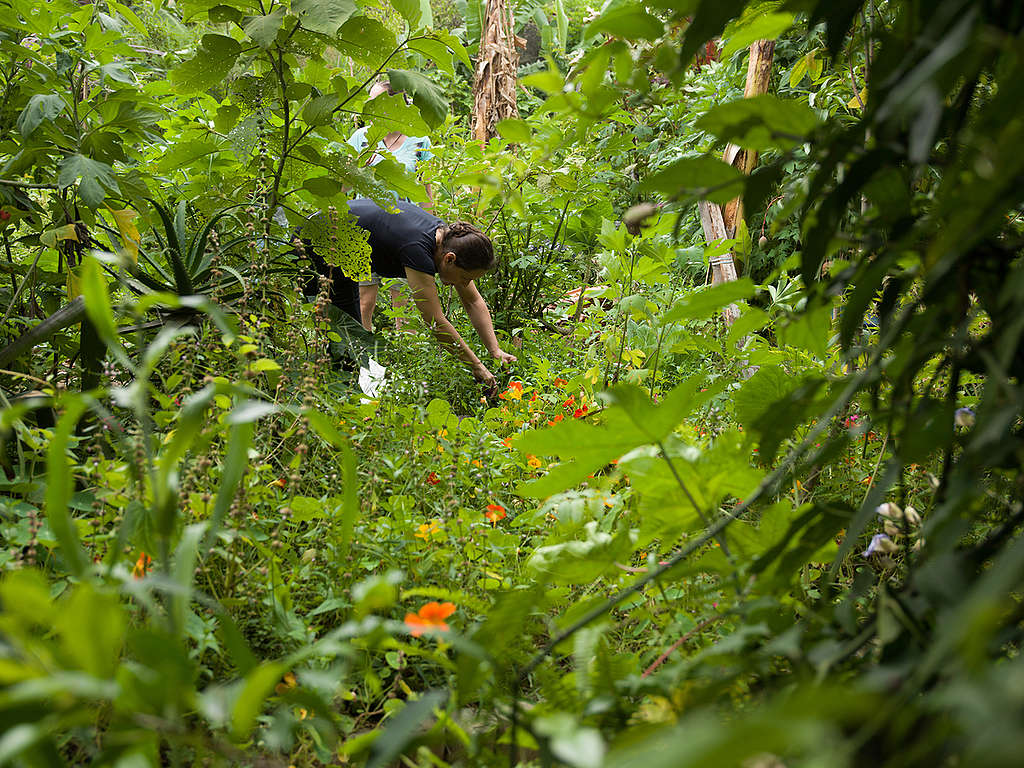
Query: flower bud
[964, 417]
[912, 516]
[889, 511]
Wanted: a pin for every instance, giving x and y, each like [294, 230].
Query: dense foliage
[792, 539]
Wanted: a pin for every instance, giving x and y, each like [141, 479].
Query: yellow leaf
[51, 236]
[856, 101]
[74, 284]
[125, 220]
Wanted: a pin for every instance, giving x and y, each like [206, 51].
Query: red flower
[142, 566]
[430, 617]
[495, 512]
[433, 479]
[570, 402]
[559, 382]
[580, 412]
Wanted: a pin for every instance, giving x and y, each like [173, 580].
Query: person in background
[417, 245]
[410, 151]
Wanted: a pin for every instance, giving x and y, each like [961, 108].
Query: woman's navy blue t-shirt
[398, 240]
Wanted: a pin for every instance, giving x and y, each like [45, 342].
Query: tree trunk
[497, 69]
[759, 76]
[716, 222]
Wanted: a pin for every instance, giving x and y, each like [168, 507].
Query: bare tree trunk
[759, 76]
[716, 222]
[497, 69]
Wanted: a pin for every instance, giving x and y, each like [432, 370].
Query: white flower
[889, 511]
[964, 417]
[912, 516]
[881, 545]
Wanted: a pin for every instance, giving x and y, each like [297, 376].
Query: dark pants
[344, 292]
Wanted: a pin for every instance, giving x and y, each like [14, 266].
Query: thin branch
[26, 184]
[699, 628]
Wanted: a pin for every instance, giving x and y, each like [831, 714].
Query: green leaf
[323, 186]
[410, 10]
[210, 66]
[708, 22]
[95, 178]
[704, 177]
[256, 686]
[98, 307]
[263, 29]
[41, 107]
[761, 122]
[435, 50]
[514, 130]
[630, 22]
[426, 95]
[59, 486]
[393, 114]
[767, 26]
[810, 330]
[320, 110]
[226, 117]
[402, 727]
[700, 305]
[366, 40]
[324, 16]
[579, 562]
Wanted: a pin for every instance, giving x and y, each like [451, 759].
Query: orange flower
[429, 618]
[559, 382]
[433, 479]
[142, 566]
[514, 391]
[507, 442]
[570, 402]
[532, 461]
[495, 512]
[580, 412]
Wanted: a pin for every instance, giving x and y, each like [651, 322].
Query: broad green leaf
[810, 330]
[210, 66]
[767, 26]
[656, 421]
[226, 117]
[410, 10]
[427, 96]
[435, 50]
[42, 106]
[324, 16]
[761, 122]
[399, 180]
[320, 110]
[579, 562]
[92, 627]
[630, 22]
[705, 177]
[263, 29]
[94, 178]
[755, 397]
[455, 45]
[393, 114]
[366, 40]
[323, 186]
[514, 130]
[700, 305]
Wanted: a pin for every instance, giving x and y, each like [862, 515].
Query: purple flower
[880, 545]
[964, 417]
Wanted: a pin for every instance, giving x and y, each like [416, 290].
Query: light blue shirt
[410, 153]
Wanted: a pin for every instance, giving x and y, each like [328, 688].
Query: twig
[700, 627]
[26, 184]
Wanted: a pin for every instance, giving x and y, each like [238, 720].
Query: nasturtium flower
[559, 382]
[579, 413]
[514, 391]
[431, 617]
[427, 530]
[433, 479]
[532, 461]
[570, 402]
[494, 512]
[142, 566]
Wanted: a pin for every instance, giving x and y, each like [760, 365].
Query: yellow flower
[532, 461]
[427, 530]
[477, 463]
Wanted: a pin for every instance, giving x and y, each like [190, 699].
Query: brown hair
[472, 248]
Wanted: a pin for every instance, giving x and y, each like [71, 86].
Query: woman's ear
[448, 258]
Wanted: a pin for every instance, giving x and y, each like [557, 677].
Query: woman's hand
[482, 374]
[503, 357]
